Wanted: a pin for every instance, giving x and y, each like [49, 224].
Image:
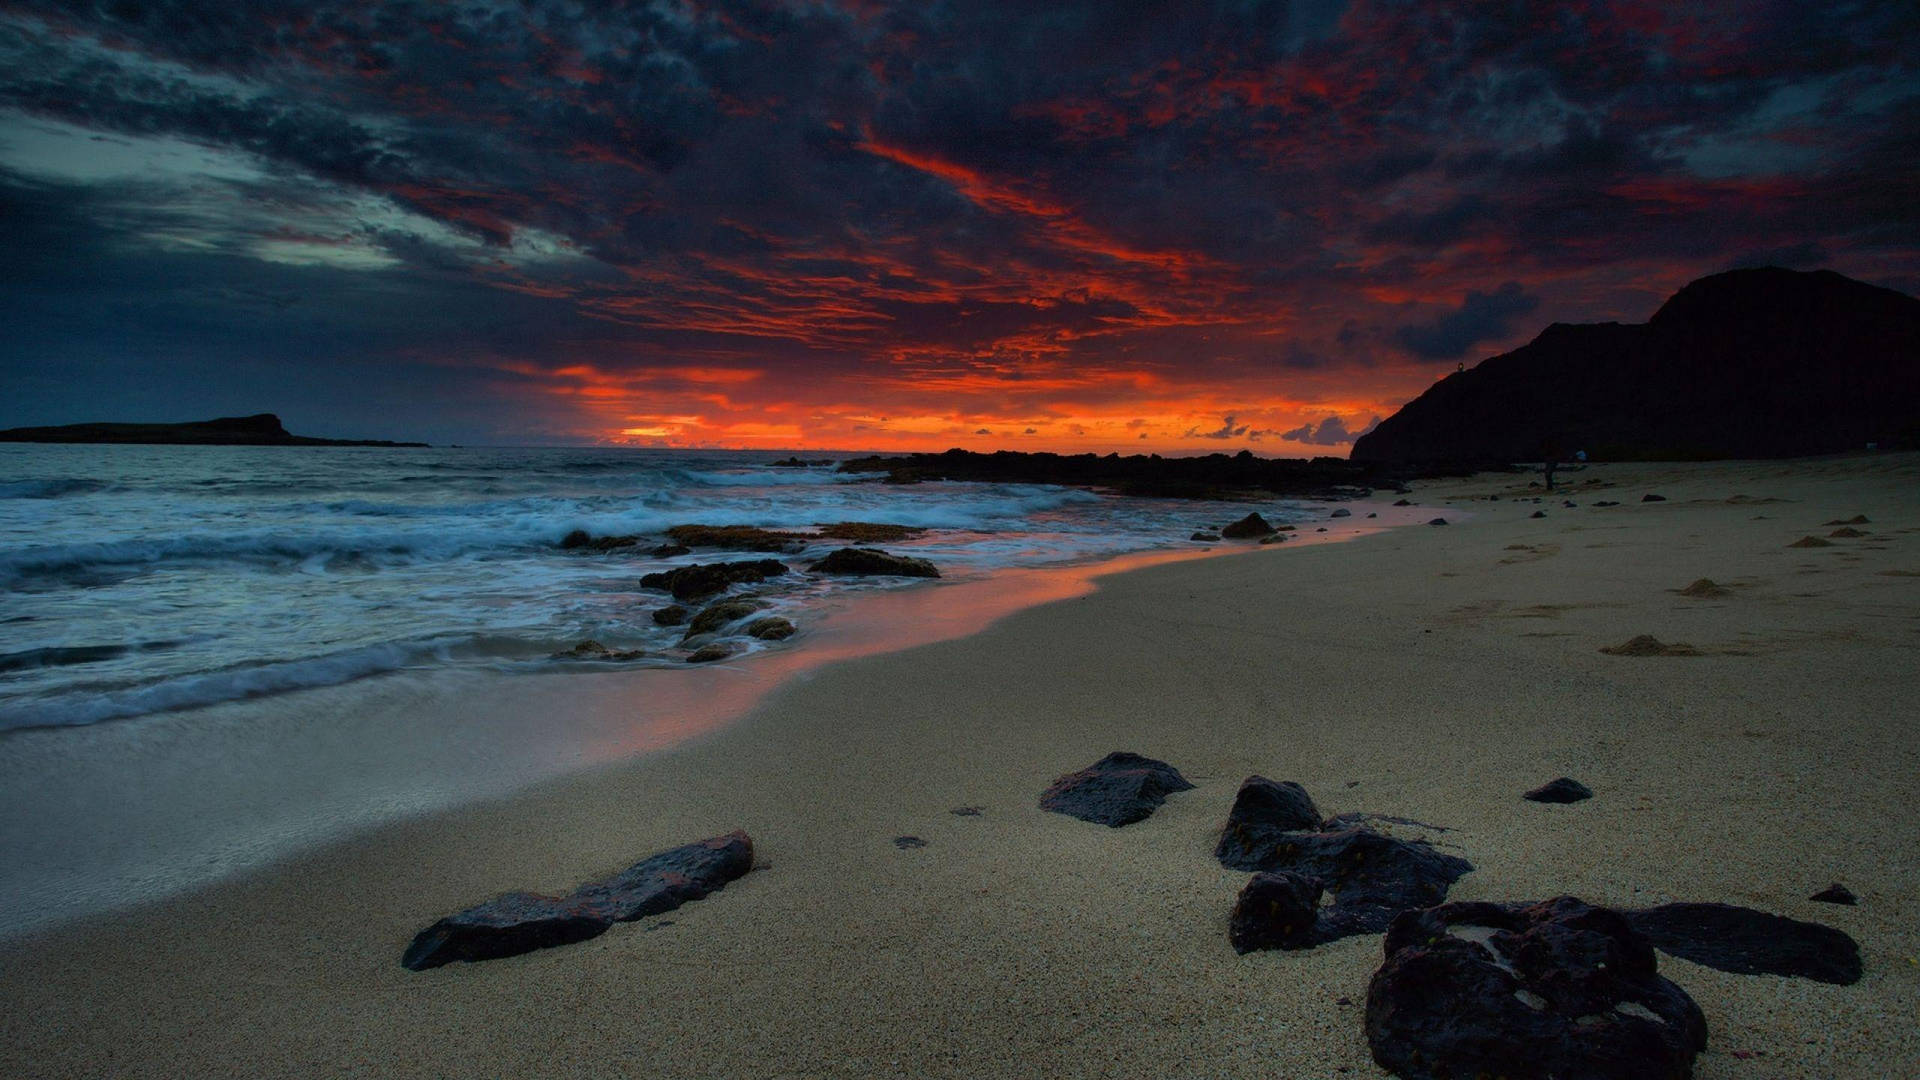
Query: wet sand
[1428, 672]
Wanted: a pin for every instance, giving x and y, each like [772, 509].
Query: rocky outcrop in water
[721, 612]
[521, 922]
[873, 562]
[704, 579]
[1247, 528]
[1117, 790]
[1210, 477]
[1559, 989]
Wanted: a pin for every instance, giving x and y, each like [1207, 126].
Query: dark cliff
[1760, 363]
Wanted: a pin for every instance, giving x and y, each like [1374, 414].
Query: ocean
[146, 579]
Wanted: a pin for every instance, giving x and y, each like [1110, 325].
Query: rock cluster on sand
[873, 562]
[1556, 989]
[1275, 911]
[1564, 790]
[522, 922]
[1274, 826]
[1749, 942]
[705, 579]
[1117, 790]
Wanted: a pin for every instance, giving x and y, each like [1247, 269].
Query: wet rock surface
[671, 615]
[771, 628]
[707, 654]
[1247, 528]
[1558, 989]
[1117, 790]
[519, 922]
[1564, 790]
[1275, 911]
[720, 613]
[1748, 942]
[738, 538]
[705, 579]
[593, 650]
[874, 562]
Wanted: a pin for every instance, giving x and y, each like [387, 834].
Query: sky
[1098, 225]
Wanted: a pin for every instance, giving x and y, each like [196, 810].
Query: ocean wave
[78, 708]
[52, 488]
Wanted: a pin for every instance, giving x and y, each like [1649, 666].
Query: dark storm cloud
[839, 189]
[1480, 316]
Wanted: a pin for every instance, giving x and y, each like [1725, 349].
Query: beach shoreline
[1428, 672]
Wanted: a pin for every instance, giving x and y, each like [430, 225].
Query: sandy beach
[1428, 672]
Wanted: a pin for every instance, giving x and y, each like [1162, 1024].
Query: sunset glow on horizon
[854, 224]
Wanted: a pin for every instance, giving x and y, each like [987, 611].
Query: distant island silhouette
[1758, 363]
[261, 430]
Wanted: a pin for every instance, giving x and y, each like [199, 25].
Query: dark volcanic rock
[1835, 893]
[872, 561]
[1438, 521]
[581, 539]
[1275, 911]
[720, 613]
[1559, 990]
[1538, 514]
[1205, 537]
[906, 843]
[707, 654]
[1342, 512]
[870, 532]
[771, 628]
[522, 922]
[705, 579]
[1653, 498]
[1401, 502]
[1212, 476]
[738, 538]
[1564, 790]
[1756, 363]
[1117, 790]
[1373, 877]
[593, 650]
[1749, 942]
[1261, 808]
[671, 615]
[1248, 527]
